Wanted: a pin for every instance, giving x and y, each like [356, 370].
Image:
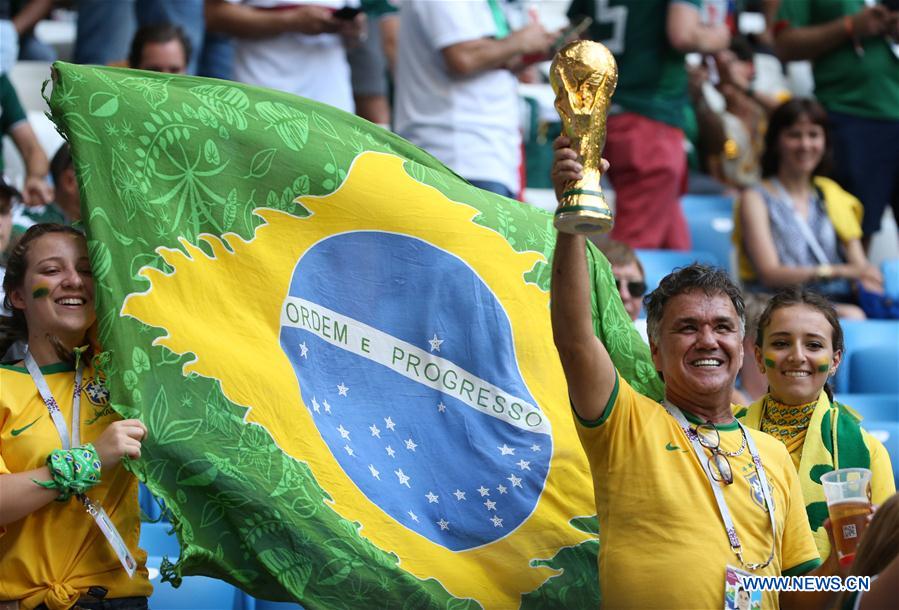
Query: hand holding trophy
[583, 76]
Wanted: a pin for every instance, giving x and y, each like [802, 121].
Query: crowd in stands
[703, 107]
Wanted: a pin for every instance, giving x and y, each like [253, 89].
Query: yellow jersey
[57, 552]
[662, 539]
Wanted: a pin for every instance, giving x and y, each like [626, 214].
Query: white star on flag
[375, 431]
[524, 465]
[389, 423]
[414, 516]
[490, 504]
[315, 406]
[483, 491]
[327, 406]
[460, 495]
[497, 522]
[344, 433]
[441, 407]
[444, 524]
[349, 450]
[506, 450]
[432, 497]
[501, 489]
[404, 480]
[374, 472]
[435, 343]
[390, 451]
[410, 444]
[516, 482]
[535, 448]
[342, 389]
[304, 350]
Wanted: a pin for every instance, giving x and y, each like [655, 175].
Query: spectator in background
[369, 62]
[796, 226]
[7, 195]
[295, 46]
[855, 53]
[645, 142]
[628, 273]
[68, 197]
[24, 15]
[160, 48]
[14, 123]
[456, 96]
[105, 29]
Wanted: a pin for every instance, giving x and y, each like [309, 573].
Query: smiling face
[801, 146]
[797, 354]
[57, 292]
[699, 349]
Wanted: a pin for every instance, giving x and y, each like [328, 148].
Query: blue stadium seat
[861, 334]
[890, 270]
[721, 205]
[874, 407]
[711, 232]
[874, 370]
[148, 504]
[659, 263]
[195, 593]
[888, 434]
[158, 540]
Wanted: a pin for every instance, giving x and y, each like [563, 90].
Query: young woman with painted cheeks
[61, 444]
[799, 344]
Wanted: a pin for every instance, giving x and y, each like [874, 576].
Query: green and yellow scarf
[833, 440]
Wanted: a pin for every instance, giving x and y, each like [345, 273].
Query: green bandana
[74, 471]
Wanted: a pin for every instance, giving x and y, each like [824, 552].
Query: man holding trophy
[680, 483]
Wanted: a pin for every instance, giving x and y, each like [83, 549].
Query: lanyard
[806, 230]
[499, 19]
[53, 406]
[729, 527]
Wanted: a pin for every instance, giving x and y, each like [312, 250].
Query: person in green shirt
[855, 55]
[14, 123]
[645, 142]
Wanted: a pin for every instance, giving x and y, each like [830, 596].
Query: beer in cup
[848, 494]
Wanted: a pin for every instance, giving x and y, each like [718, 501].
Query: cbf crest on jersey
[342, 351]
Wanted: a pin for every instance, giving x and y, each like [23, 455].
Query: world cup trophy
[583, 76]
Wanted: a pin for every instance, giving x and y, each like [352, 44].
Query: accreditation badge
[736, 595]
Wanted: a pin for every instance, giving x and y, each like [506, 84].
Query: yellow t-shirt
[42, 558]
[662, 540]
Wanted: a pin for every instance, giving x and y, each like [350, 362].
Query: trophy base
[584, 219]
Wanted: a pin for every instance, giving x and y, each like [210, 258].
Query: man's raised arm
[588, 368]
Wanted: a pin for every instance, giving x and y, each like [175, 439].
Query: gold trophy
[583, 76]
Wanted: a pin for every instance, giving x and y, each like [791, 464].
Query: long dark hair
[14, 328]
[789, 297]
[785, 116]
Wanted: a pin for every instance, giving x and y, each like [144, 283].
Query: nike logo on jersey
[18, 431]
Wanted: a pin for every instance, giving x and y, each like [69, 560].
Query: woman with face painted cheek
[799, 345]
[61, 444]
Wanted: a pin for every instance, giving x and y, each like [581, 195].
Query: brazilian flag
[341, 349]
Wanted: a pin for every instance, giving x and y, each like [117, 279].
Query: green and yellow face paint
[769, 361]
[40, 291]
[823, 365]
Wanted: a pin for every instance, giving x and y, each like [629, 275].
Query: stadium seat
[874, 407]
[659, 263]
[861, 334]
[194, 593]
[159, 540]
[888, 434]
[890, 270]
[711, 232]
[720, 205]
[874, 370]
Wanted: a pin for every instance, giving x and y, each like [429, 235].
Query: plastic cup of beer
[848, 494]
